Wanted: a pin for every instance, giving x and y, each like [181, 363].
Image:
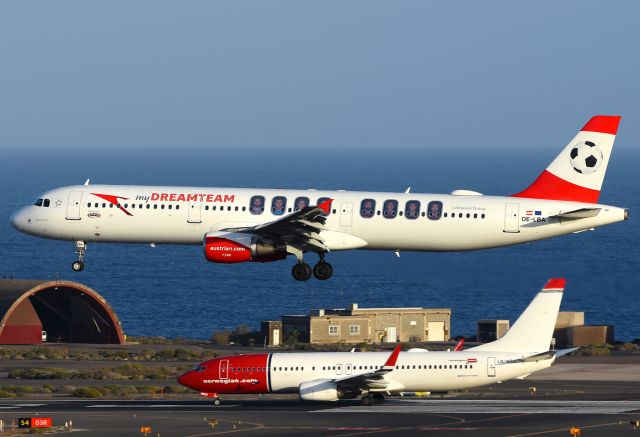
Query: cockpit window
[200, 368]
[38, 202]
[46, 203]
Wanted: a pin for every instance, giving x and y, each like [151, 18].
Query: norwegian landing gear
[374, 399]
[81, 249]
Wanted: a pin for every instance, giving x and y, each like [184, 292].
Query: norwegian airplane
[330, 376]
[259, 225]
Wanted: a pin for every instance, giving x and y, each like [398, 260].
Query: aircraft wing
[299, 229]
[373, 379]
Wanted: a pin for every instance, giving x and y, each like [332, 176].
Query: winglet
[459, 345]
[326, 206]
[391, 361]
[555, 284]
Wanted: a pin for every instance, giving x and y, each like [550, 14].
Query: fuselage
[358, 220]
[413, 371]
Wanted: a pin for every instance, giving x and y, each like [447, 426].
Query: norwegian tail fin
[578, 171]
[533, 330]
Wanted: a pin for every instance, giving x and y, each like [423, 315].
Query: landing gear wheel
[301, 271]
[322, 271]
[81, 249]
[366, 400]
[216, 401]
[378, 399]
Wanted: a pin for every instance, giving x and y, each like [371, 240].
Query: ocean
[173, 291]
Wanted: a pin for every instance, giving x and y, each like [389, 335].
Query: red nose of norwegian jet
[186, 379]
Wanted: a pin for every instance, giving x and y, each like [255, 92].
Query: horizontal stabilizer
[578, 214]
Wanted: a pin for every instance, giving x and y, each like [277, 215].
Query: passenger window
[256, 205]
[278, 205]
[300, 203]
[322, 200]
[39, 203]
[390, 209]
[367, 208]
[434, 210]
[46, 203]
[412, 209]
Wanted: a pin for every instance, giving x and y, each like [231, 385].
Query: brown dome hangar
[67, 311]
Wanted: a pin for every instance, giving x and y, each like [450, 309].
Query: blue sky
[330, 74]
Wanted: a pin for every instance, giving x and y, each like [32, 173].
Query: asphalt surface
[598, 408]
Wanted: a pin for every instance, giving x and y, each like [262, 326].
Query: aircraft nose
[184, 379]
[16, 220]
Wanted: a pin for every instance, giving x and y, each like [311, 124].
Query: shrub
[87, 392]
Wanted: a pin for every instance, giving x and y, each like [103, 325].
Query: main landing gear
[81, 249]
[302, 271]
[372, 399]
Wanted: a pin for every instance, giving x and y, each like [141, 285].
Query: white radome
[586, 157]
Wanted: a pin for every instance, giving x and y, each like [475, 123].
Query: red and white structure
[237, 225]
[330, 376]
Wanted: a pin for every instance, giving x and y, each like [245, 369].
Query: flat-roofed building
[370, 325]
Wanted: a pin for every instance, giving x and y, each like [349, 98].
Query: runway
[397, 416]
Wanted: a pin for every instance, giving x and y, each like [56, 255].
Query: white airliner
[255, 224]
[330, 376]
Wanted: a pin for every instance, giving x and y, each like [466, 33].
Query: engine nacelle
[231, 248]
[323, 390]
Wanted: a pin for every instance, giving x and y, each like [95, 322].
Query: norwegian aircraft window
[367, 208]
[95, 205]
[46, 203]
[148, 206]
[460, 215]
[256, 205]
[301, 202]
[126, 205]
[162, 206]
[213, 208]
[104, 205]
[133, 205]
[434, 210]
[289, 210]
[475, 216]
[111, 205]
[228, 208]
[482, 216]
[236, 208]
[169, 206]
[412, 209]
[322, 200]
[390, 209]
[378, 212]
[468, 215]
[278, 205]
[39, 203]
[155, 206]
[244, 208]
[206, 208]
[445, 214]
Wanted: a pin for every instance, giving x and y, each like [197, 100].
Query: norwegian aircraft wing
[374, 379]
[298, 229]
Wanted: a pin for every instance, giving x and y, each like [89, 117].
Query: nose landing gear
[81, 249]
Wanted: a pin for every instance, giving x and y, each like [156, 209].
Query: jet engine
[323, 390]
[220, 247]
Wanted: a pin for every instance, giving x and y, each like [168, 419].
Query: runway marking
[549, 431]
[493, 406]
[156, 406]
